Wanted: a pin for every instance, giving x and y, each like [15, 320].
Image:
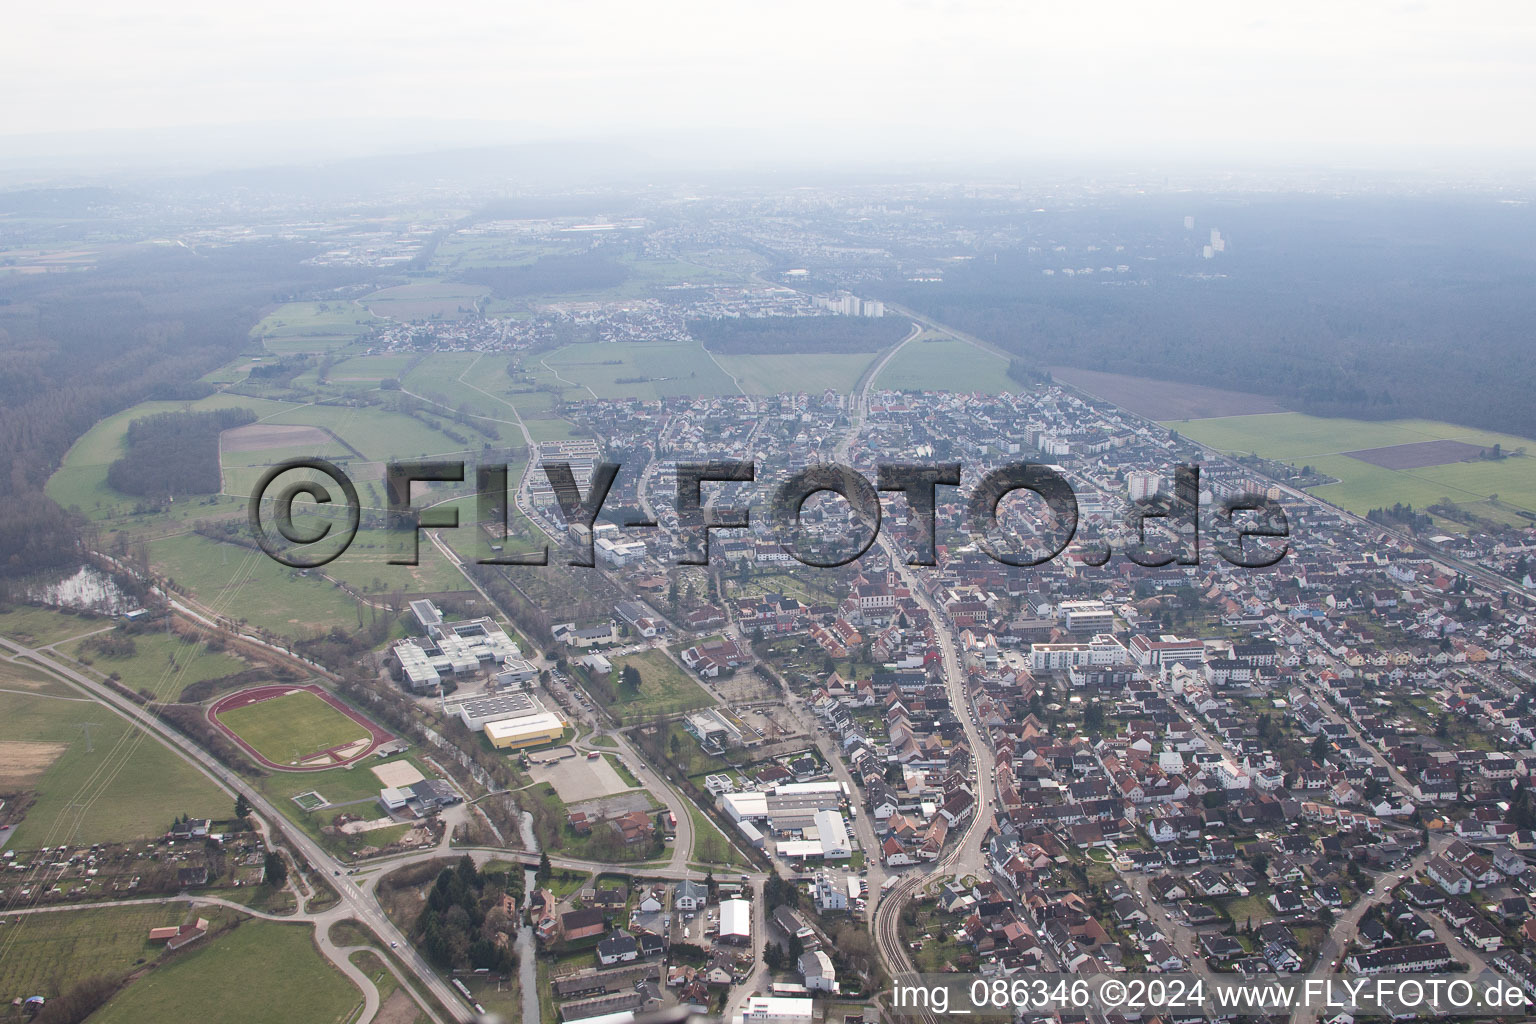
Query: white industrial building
[791, 807]
[832, 833]
[478, 712]
[776, 1010]
[827, 839]
[736, 922]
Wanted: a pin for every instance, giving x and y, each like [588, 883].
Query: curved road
[353, 902]
[965, 854]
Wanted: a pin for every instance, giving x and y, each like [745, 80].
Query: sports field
[96, 779]
[259, 973]
[1325, 444]
[938, 363]
[290, 727]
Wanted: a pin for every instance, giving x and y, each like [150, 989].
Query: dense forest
[1361, 307]
[781, 335]
[549, 275]
[173, 453]
[78, 347]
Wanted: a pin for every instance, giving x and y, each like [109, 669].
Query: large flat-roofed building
[416, 669]
[619, 552]
[1086, 616]
[832, 831]
[427, 615]
[791, 807]
[582, 456]
[736, 922]
[453, 649]
[478, 712]
[1102, 650]
[777, 1010]
[712, 730]
[516, 673]
[1166, 649]
[530, 731]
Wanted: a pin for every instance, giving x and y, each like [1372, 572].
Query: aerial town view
[635, 528]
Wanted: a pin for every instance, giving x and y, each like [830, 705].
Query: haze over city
[767, 514]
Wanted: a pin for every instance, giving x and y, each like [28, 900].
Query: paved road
[354, 902]
[965, 854]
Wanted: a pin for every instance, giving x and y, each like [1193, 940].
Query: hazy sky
[890, 77]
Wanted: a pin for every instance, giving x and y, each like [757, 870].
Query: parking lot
[579, 778]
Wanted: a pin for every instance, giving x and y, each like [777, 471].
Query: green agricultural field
[426, 301]
[478, 385]
[34, 626]
[304, 327]
[248, 585]
[47, 954]
[365, 566]
[471, 543]
[646, 277]
[939, 363]
[474, 382]
[259, 973]
[646, 370]
[379, 434]
[370, 369]
[21, 676]
[287, 729]
[1310, 440]
[465, 250]
[801, 372]
[164, 664]
[97, 779]
[81, 480]
[664, 688]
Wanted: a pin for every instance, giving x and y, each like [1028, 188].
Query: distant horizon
[1396, 85]
[36, 158]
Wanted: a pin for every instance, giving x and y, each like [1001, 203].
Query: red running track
[257, 694]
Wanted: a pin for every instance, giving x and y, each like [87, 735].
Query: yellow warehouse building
[528, 731]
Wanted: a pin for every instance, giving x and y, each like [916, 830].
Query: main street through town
[966, 853]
